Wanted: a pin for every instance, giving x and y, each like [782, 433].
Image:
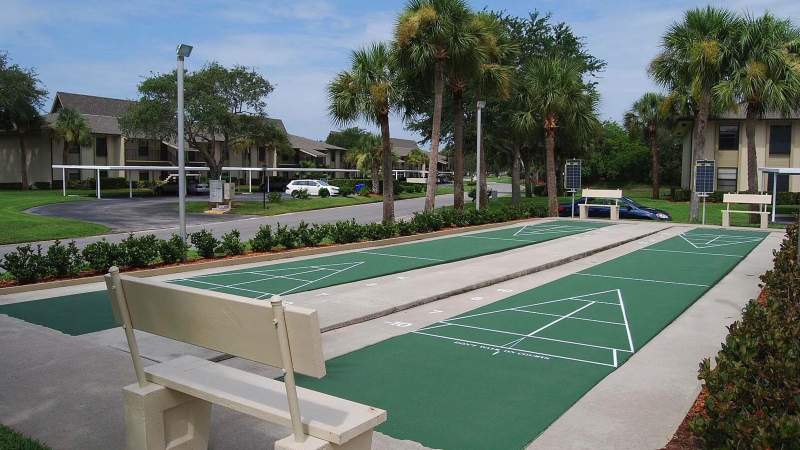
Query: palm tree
[416, 158]
[427, 35]
[369, 91]
[694, 58]
[553, 94]
[765, 76]
[73, 130]
[366, 156]
[647, 116]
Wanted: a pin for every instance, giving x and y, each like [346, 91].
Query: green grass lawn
[20, 226]
[11, 440]
[256, 207]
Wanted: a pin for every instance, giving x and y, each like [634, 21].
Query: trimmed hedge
[754, 389]
[29, 265]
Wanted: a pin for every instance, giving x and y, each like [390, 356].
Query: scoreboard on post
[572, 175]
[704, 177]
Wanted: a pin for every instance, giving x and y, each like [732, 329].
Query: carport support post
[774, 193]
[130, 186]
[64, 182]
[250, 181]
[97, 179]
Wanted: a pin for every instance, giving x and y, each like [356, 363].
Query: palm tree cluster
[715, 60]
[444, 58]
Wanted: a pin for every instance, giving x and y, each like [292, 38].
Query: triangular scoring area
[591, 328]
[702, 241]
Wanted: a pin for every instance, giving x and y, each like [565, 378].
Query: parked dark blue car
[628, 209]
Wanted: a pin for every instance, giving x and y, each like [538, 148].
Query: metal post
[478, 172]
[774, 193]
[130, 187]
[250, 181]
[181, 156]
[64, 182]
[572, 214]
[97, 182]
[704, 209]
[286, 358]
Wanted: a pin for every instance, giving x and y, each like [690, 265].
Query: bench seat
[325, 417]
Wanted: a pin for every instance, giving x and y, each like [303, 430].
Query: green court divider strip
[90, 312]
[498, 376]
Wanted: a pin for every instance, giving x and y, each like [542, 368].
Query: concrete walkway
[247, 225]
[67, 390]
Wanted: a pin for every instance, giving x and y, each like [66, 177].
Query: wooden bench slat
[755, 199]
[325, 417]
[602, 193]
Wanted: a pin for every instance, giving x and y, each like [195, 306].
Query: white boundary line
[639, 279]
[318, 279]
[627, 325]
[543, 327]
[222, 286]
[516, 349]
[401, 256]
[573, 318]
[691, 253]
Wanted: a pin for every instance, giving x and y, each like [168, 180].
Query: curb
[225, 262]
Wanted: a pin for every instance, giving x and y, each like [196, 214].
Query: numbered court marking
[709, 240]
[399, 324]
[292, 278]
[590, 328]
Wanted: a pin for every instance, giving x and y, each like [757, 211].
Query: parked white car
[311, 186]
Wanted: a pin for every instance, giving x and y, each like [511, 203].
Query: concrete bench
[612, 194]
[748, 199]
[169, 408]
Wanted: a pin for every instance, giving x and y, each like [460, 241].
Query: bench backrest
[753, 199]
[226, 323]
[602, 193]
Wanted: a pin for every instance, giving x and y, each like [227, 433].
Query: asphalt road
[126, 216]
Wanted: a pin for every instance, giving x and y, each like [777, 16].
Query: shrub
[25, 264]
[540, 190]
[64, 261]
[538, 211]
[378, 231]
[275, 197]
[231, 243]
[426, 221]
[101, 255]
[309, 236]
[680, 195]
[473, 193]
[345, 191]
[324, 192]
[173, 250]
[139, 251]
[300, 194]
[205, 242]
[405, 228]
[285, 236]
[787, 198]
[263, 240]
[345, 231]
[753, 389]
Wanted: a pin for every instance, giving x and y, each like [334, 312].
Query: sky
[105, 48]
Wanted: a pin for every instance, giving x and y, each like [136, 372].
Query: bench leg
[614, 213]
[583, 212]
[726, 218]
[764, 219]
[158, 418]
[360, 442]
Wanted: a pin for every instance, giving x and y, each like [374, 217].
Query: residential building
[777, 145]
[109, 146]
[403, 147]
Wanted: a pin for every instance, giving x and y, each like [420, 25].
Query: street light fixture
[183, 51]
[481, 105]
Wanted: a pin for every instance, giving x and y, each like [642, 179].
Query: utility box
[215, 191]
[228, 190]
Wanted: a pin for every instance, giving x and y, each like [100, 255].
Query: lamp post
[183, 52]
[481, 105]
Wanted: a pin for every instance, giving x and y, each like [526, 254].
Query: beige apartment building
[777, 145]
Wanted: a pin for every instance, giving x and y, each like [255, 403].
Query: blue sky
[106, 47]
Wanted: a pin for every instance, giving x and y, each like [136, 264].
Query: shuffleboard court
[90, 312]
[497, 376]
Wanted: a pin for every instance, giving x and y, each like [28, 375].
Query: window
[726, 179]
[729, 137]
[144, 149]
[780, 139]
[783, 182]
[101, 147]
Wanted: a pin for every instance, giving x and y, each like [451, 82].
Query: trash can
[359, 187]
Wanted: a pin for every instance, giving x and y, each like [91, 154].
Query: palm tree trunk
[374, 169]
[438, 90]
[388, 180]
[550, 151]
[656, 167]
[515, 192]
[458, 150]
[752, 157]
[698, 150]
[23, 161]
